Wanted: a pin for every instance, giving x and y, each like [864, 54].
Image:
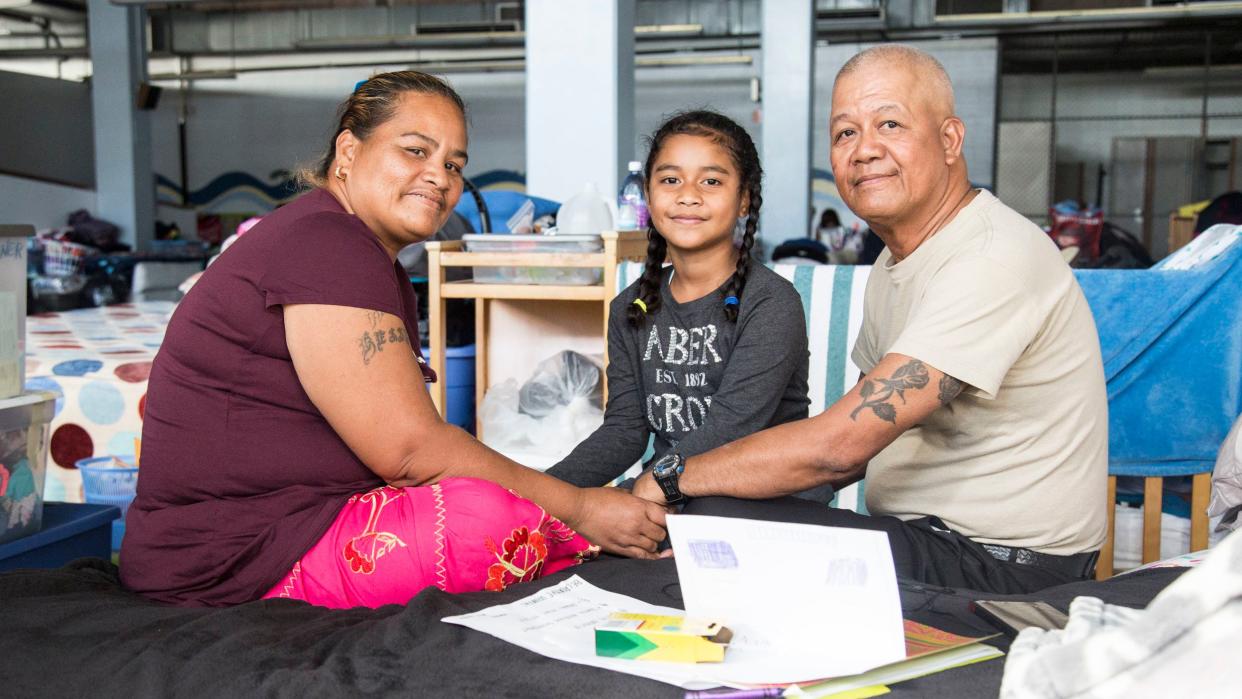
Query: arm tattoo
[372, 342]
[910, 376]
[949, 388]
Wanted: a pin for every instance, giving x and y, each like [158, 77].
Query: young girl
[713, 347]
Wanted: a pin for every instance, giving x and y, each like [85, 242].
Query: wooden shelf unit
[618, 246]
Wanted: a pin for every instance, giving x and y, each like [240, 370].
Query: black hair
[741, 148]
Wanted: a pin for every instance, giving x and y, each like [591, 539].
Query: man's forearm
[779, 461]
[833, 447]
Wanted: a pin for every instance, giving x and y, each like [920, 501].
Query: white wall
[40, 204]
[46, 205]
[261, 122]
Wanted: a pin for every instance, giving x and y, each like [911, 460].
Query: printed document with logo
[805, 601]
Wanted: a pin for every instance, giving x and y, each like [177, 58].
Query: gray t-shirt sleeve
[622, 438]
[771, 348]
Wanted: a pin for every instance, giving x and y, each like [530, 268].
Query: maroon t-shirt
[240, 473]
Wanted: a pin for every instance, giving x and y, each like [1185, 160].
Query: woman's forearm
[449, 452]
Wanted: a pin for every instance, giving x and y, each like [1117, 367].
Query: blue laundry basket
[108, 480]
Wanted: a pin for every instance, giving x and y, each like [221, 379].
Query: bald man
[980, 420]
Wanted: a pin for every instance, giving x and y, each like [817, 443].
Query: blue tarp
[1172, 345]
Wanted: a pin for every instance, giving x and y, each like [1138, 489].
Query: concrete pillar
[788, 90]
[579, 95]
[124, 182]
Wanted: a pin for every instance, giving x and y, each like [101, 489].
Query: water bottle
[631, 204]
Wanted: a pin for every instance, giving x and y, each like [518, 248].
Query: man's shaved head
[896, 144]
[931, 75]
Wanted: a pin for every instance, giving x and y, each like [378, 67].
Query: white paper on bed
[823, 599]
[559, 621]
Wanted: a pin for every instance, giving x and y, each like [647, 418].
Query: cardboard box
[25, 424]
[668, 638]
[13, 309]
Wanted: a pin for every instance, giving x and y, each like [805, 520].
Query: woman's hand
[619, 523]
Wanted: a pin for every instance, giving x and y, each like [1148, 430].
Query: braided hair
[741, 148]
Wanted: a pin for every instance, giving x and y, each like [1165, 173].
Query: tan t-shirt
[1020, 458]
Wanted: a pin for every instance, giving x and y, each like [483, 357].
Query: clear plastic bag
[1225, 508]
[543, 420]
[560, 380]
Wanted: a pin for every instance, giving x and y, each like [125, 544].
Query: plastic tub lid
[532, 237]
[464, 351]
[61, 521]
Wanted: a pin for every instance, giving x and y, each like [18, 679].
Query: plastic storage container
[13, 244]
[577, 276]
[24, 430]
[108, 480]
[70, 530]
[459, 386]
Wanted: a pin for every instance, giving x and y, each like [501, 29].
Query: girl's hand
[646, 488]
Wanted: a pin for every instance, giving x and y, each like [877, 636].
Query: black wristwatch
[666, 472]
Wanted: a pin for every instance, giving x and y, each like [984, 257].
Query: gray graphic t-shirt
[695, 379]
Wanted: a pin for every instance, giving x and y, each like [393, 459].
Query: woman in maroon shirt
[290, 447]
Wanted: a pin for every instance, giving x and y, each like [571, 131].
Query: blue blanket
[1171, 338]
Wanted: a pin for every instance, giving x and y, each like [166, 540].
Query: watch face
[666, 465]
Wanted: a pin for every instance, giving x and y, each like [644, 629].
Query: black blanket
[75, 632]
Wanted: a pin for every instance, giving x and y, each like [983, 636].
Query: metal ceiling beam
[53, 10]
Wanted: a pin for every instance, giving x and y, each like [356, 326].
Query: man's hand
[620, 523]
[645, 487]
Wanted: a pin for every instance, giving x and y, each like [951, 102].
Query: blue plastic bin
[106, 483]
[70, 530]
[459, 386]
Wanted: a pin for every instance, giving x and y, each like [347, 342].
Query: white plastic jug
[586, 213]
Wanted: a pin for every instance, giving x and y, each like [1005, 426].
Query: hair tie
[730, 300]
[641, 304]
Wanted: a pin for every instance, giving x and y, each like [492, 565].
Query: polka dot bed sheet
[97, 361]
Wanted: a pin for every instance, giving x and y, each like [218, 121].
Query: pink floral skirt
[460, 535]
